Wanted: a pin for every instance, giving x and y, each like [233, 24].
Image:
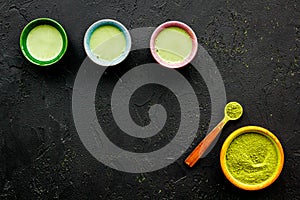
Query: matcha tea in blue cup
[107, 42]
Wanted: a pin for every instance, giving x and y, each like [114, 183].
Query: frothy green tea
[173, 45]
[44, 42]
[107, 43]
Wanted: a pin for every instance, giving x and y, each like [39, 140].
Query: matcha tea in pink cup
[173, 44]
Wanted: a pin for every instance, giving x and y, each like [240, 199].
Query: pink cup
[179, 25]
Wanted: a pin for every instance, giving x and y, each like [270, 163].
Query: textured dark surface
[255, 44]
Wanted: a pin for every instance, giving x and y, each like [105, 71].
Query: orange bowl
[244, 160]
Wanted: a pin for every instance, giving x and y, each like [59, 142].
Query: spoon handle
[204, 144]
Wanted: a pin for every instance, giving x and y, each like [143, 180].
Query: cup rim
[179, 25]
[247, 129]
[98, 24]
[34, 23]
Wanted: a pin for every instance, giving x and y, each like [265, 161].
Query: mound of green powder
[252, 158]
[233, 110]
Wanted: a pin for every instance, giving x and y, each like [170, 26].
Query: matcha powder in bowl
[254, 163]
[252, 158]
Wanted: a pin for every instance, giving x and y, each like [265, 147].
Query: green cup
[24, 41]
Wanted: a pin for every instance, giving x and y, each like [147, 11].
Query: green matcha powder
[252, 158]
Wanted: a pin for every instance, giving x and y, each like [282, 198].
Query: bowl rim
[34, 23]
[260, 130]
[98, 24]
[183, 26]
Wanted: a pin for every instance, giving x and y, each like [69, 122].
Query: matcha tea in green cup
[43, 41]
[107, 42]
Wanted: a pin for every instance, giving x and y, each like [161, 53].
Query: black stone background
[255, 44]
